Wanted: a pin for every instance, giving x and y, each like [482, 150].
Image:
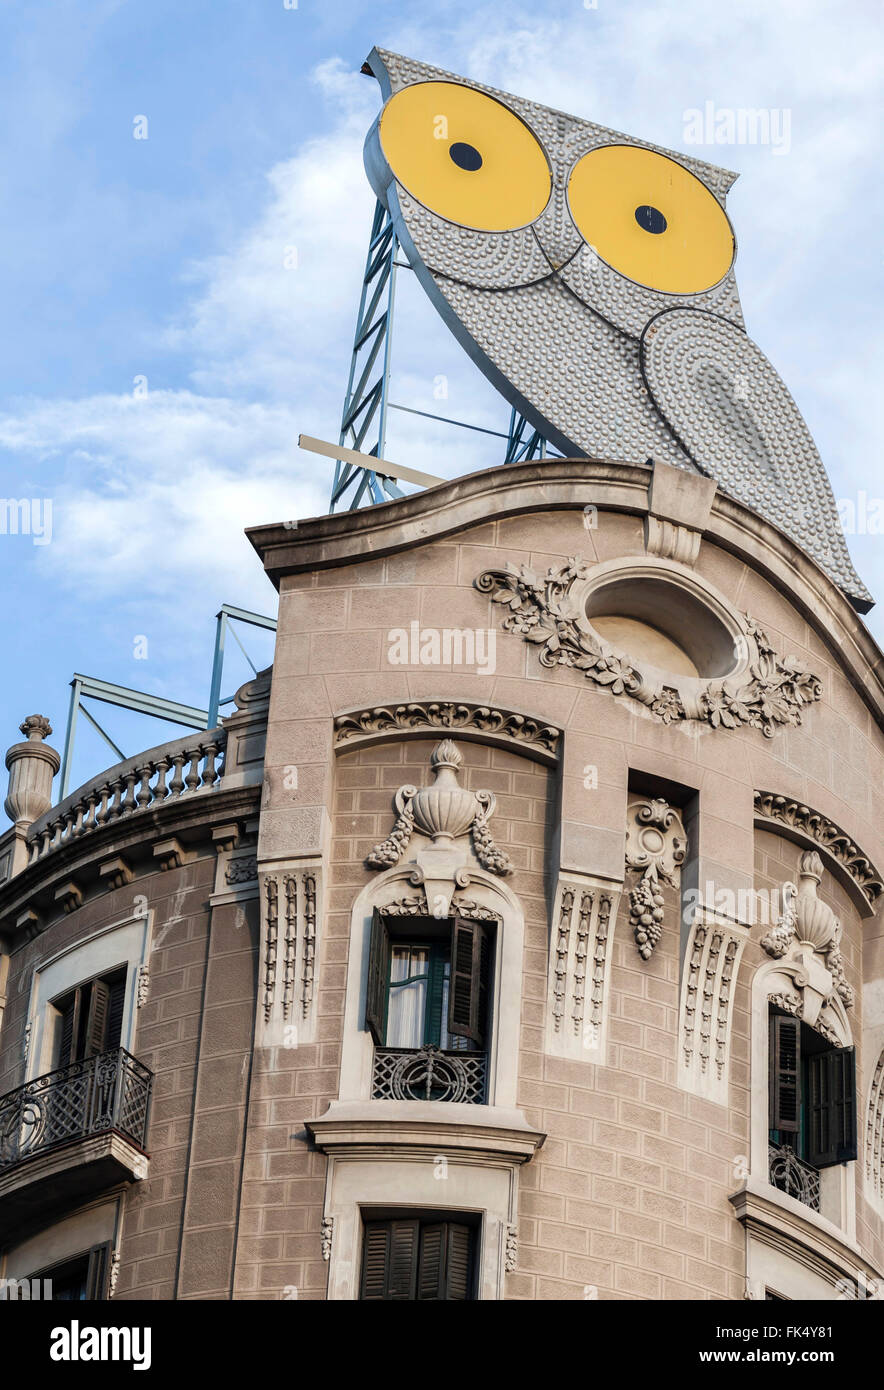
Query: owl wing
[733, 416]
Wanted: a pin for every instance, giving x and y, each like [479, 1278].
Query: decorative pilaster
[289, 943]
[709, 976]
[584, 914]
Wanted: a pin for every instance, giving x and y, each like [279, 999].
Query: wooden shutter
[378, 970]
[116, 1004]
[458, 1264]
[785, 1069]
[389, 1261]
[470, 970]
[67, 1007]
[98, 1271]
[430, 1275]
[831, 1101]
[96, 1027]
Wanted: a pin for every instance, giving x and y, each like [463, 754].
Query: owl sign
[591, 277]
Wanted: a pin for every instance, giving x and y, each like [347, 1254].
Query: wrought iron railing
[793, 1176]
[428, 1073]
[110, 1091]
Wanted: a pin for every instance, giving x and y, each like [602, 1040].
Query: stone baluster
[176, 786]
[144, 792]
[161, 791]
[210, 775]
[192, 780]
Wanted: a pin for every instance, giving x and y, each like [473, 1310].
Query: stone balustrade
[165, 773]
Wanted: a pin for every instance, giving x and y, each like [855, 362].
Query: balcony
[71, 1134]
[428, 1073]
[793, 1176]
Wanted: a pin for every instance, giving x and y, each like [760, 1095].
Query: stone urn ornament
[445, 812]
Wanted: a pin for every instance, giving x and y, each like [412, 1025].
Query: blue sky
[164, 258]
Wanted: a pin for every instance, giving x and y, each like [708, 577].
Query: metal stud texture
[606, 367]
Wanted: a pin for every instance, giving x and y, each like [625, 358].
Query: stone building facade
[517, 937]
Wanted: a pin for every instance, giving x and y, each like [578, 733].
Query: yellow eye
[650, 219]
[465, 156]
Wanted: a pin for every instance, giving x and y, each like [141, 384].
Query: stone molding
[786, 1226]
[711, 964]
[580, 954]
[505, 728]
[548, 610]
[486, 1134]
[812, 827]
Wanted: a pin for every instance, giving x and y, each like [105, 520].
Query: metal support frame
[365, 399]
[523, 442]
[140, 702]
[225, 615]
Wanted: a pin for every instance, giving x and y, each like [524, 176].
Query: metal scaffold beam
[365, 403]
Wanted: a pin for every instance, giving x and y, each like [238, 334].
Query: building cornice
[566, 485]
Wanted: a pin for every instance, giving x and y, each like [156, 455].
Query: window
[415, 1000]
[812, 1106]
[414, 1259]
[85, 1276]
[90, 1018]
[427, 1008]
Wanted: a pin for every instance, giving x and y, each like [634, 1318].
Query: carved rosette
[768, 695]
[656, 845]
[445, 812]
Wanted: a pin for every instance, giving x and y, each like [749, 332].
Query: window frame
[471, 954]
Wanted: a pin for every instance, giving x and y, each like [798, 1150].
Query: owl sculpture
[591, 277]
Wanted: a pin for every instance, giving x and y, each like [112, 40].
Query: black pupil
[650, 220]
[465, 156]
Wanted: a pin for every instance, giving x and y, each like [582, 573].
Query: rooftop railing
[162, 774]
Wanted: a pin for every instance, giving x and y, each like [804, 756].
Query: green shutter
[785, 1064]
[468, 988]
[831, 1102]
[378, 970]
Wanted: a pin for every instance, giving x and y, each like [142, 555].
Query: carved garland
[827, 835]
[518, 728]
[543, 611]
[656, 845]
